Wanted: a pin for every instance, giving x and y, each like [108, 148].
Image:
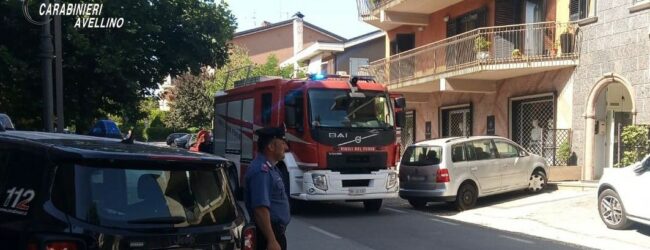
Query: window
[220, 129]
[233, 145]
[120, 196]
[267, 108]
[247, 125]
[458, 153]
[293, 110]
[506, 150]
[483, 150]
[355, 64]
[422, 155]
[581, 9]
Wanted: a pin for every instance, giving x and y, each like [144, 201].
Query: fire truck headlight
[391, 180]
[320, 181]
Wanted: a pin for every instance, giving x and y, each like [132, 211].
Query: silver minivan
[460, 169]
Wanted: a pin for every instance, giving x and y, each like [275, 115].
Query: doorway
[610, 107]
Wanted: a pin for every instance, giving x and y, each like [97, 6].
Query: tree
[240, 66]
[108, 71]
[193, 104]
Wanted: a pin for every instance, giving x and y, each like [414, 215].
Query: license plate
[357, 191]
[416, 178]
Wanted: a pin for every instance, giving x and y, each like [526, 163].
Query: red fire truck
[341, 133]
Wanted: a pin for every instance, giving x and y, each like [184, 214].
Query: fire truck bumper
[328, 185]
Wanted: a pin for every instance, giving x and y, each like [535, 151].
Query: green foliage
[108, 71]
[564, 152]
[193, 104]
[635, 143]
[160, 133]
[240, 67]
[481, 44]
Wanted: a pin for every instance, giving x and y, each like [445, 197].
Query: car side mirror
[400, 119]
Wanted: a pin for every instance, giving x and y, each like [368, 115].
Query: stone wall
[617, 42]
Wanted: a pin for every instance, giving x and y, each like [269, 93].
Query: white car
[461, 169]
[623, 195]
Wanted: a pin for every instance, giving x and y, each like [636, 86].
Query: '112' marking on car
[15, 194]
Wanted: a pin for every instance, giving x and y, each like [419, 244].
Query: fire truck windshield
[336, 108]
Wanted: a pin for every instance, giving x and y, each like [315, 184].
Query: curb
[573, 186]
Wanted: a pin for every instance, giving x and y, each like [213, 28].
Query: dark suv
[62, 191]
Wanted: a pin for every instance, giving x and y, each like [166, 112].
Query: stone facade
[617, 42]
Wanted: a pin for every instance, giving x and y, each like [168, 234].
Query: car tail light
[61, 245]
[442, 175]
[249, 238]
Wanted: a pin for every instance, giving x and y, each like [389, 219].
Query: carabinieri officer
[266, 198]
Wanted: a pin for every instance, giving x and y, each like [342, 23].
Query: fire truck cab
[341, 133]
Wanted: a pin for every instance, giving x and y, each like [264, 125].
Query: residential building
[534, 71]
[611, 87]
[349, 57]
[283, 39]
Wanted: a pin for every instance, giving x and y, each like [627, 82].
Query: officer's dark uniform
[265, 187]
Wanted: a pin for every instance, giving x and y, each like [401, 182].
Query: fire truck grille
[356, 162]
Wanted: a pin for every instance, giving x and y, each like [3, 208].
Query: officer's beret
[266, 135]
[270, 133]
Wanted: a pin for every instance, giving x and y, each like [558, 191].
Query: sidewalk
[569, 214]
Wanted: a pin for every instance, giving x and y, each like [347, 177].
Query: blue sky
[337, 16]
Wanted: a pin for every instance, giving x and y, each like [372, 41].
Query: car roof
[446, 140]
[82, 146]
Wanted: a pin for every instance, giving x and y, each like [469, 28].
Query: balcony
[475, 60]
[389, 14]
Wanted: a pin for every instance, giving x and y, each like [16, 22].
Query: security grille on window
[456, 121]
[580, 9]
[408, 131]
[532, 118]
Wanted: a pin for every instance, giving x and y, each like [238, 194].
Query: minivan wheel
[417, 203]
[537, 181]
[612, 211]
[466, 197]
[372, 205]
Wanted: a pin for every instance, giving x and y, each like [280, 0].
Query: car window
[483, 149]
[422, 155]
[130, 197]
[506, 150]
[458, 152]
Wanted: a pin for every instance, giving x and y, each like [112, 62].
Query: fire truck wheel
[372, 205]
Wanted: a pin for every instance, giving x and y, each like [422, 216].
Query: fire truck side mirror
[400, 102]
[400, 119]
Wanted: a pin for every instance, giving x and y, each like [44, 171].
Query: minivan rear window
[128, 198]
[422, 155]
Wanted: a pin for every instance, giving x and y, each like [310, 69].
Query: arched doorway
[610, 107]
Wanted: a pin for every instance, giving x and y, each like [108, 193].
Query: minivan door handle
[473, 168]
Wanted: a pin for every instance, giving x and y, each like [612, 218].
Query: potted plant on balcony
[516, 54]
[567, 40]
[481, 47]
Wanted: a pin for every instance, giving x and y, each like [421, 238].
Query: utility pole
[46, 72]
[58, 62]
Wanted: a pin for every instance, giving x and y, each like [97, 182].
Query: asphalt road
[341, 225]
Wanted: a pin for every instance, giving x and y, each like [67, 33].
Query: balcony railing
[532, 42]
[367, 7]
